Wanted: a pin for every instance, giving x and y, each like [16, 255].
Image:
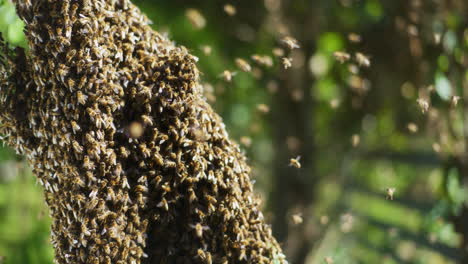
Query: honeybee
[230, 9]
[124, 152]
[227, 75]
[243, 65]
[147, 120]
[77, 147]
[199, 229]
[206, 49]
[290, 42]
[329, 260]
[196, 18]
[390, 193]
[136, 130]
[278, 52]
[353, 37]
[287, 62]
[341, 56]
[297, 219]
[294, 162]
[423, 105]
[455, 100]
[355, 139]
[75, 126]
[362, 59]
[263, 60]
[263, 108]
[412, 127]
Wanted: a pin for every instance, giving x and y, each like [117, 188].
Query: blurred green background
[361, 132]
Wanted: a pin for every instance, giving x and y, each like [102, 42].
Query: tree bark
[136, 166]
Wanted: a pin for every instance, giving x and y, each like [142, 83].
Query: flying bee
[206, 50]
[246, 141]
[297, 219]
[263, 108]
[353, 37]
[423, 105]
[136, 129]
[329, 260]
[263, 60]
[230, 9]
[390, 193]
[287, 63]
[278, 52]
[412, 127]
[455, 100]
[294, 162]
[341, 56]
[195, 18]
[243, 65]
[355, 140]
[227, 75]
[362, 59]
[290, 42]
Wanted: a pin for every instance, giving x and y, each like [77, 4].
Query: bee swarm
[136, 166]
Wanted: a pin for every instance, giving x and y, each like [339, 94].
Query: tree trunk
[136, 166]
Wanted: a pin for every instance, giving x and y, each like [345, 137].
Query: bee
[70, 55]
[136, 129]
[355, 139]
[199, 229]
[206, 50]
[75, 126]
[294, 162]
[145, 150]
[263, 60]
[263, 108]
[77, 147]
[163, 204]
[287, 63]
[297, 219]
[454, 100]
[341, 56]
[230, 9]
[227, 75]
[243, 65]
[329, 260]
[290, 42]
[141, 188]
[88, 164]
[124, 152]
[423, 105]
[390, 193]
[195, 18]
[246, 141]
[278, 52]
[412, 127]
[353, 37]
[147, 120]
[362, 59]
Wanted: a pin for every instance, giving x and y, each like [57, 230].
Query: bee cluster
[136, 166]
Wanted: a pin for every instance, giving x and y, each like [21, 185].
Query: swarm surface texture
[136, 166]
